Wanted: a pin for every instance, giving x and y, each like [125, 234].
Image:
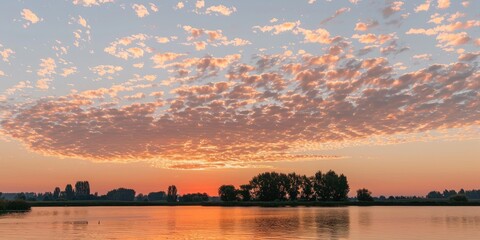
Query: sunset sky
[145, 94]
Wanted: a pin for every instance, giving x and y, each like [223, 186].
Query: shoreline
[248, 204]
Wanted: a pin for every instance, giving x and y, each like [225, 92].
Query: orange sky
[402, 169]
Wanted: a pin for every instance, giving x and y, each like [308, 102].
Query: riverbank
[14, 206]
[250, 204]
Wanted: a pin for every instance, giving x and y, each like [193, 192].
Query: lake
[197, 222]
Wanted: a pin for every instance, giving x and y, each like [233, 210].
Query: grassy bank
[251, 204]
[14, 206]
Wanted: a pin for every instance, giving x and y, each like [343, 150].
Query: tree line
[273, 186]
[81, 192]
[454, 195]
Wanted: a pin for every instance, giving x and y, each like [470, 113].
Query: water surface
[243, 223]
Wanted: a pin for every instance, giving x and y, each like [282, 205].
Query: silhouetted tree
[363, 195]
[227, 193]
[48, 196]
[56, 193]
[194, 197]
[473, 194]
[172, 194]
[434, 195]
[449, 193]
[121, 194]
[307, 188]
[320, 190]
[141, 198]
[330, 186]
[20, 196]
[69, 193]
[295, 183]
[157, 196]
[458, 198]
[244, 192]
[270, 186]
[82, 190]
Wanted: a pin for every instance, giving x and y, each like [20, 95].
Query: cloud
[220, 9]
[6, 53]
[121, 47]
[423, 7]
[250, 115]
[180, 5]
[468, 57]
[102, 70]
[211, 37]
[140, 10]
[161, 58]
[47, 67]
[43, 83]
[453, 39]
[279, 28]
[68, 71]
[30, 17]
[200, 4]
[392, 8]
[372, 38]
[424, 56]
[153, 7]
[361, 26]
[335, 15]
[443, 4]
[90, 3]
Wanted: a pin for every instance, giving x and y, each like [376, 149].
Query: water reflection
[333, 223]
[242, 223]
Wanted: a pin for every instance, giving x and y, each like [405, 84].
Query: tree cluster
[121, 194]
[194, 197]
[454, 195]
[273, 186]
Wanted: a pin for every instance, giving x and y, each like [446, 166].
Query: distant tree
[48, 196]
[434, 195]
[141, 198]
[458, 198]
[157, 196]
[449, 193]
[307, 188]
[227, 193]
[321, 191]
[20, 196]
[473, 194]
[69, 193]
[363, 195]
[194, 197]
[294, 185]
[56, 193]
[330, 186]
[382, 198]
[244, 192]
[82, 190]
[121, 194]
[172, 194]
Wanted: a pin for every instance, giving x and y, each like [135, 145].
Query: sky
[145, 94]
